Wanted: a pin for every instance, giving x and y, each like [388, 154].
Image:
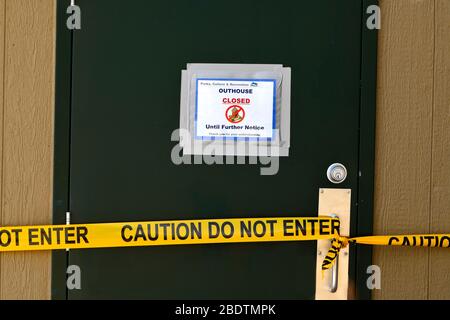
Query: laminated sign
[235, 109]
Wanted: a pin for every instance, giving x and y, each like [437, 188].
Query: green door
[118, 98]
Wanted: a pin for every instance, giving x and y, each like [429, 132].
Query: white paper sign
[235, 109]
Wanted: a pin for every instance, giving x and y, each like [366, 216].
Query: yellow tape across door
[189, 232]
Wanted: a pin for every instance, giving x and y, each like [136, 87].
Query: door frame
[361, 221]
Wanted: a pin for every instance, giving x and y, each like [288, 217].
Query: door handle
[334, 276]
[334, 271]
[333, 284]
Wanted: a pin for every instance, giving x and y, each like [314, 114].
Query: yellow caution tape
[337, 244]
[176, 232]
[413, 240]
[183, 232]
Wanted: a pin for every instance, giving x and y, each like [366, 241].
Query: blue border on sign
[274, 116]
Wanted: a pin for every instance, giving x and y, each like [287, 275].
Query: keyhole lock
[337, 173]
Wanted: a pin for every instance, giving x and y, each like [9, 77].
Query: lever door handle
[334, 271]
[334, 276]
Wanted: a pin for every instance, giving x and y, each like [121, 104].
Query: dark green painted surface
[125, 104]
[362, 222]
[61, 143]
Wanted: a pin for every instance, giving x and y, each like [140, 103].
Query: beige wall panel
[440, 175]
[2, 60]
[28, 139]
[403, 143]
